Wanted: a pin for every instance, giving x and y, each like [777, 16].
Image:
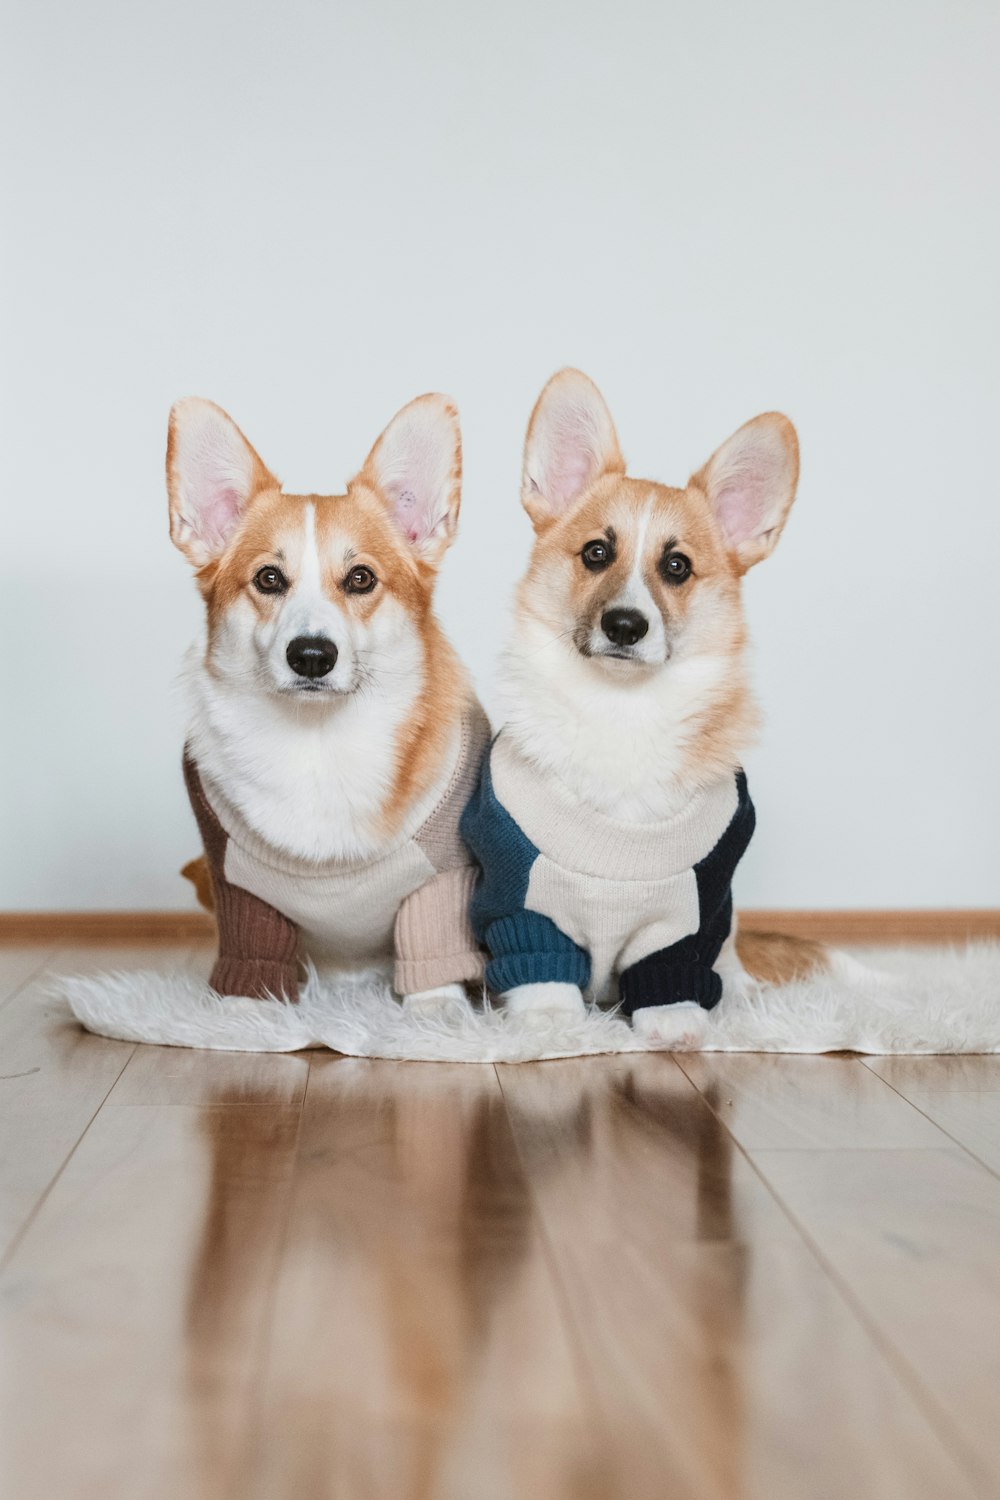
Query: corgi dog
[612, 808]
[333, 736]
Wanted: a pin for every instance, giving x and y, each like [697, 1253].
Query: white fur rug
[906, 1001]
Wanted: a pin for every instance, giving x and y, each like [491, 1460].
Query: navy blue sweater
[568, 895]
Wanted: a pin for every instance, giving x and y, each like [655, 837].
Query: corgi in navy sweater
[612, 809]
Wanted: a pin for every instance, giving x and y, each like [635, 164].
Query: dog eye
[597, 555]
[270, 581]
[675, 567]
[360, 581]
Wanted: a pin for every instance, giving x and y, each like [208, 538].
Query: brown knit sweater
[412, 900]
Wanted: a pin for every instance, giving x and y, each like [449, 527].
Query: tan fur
[773, 958]
[196, 870]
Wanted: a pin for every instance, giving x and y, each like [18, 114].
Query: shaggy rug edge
[905, 1001]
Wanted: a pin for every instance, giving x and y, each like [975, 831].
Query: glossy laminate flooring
[310, 1276]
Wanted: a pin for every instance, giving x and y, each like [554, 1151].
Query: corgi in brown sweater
[333, 737]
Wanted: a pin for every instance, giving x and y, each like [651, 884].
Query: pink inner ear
[739, 512]
[408, 515]
[220, 514]
[571, 473]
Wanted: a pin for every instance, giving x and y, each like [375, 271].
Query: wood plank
[418, 1346]
[725, 1360]
[19, 964]
[181, 1075]
[973, 1120]
[55, 1077]
[767, 1100]
[132, 1312]
[939, 925]
[915, 1236]
[960, 1094]
[915, 1077]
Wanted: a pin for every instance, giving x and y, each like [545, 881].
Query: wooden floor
[292, 1278]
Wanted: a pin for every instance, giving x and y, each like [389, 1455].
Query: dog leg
[679, 1027]
[555, 998]
[729, 967]
[428, 1005]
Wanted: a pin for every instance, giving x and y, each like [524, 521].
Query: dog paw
[433, 1005]
[546, 1000]
[680, 1027]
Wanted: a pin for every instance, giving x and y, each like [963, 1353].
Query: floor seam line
[968, 1151]
[29, 978]
[18, 1239]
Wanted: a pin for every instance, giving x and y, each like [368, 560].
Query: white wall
[312, 212]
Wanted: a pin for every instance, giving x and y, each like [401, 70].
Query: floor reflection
[446, 1235]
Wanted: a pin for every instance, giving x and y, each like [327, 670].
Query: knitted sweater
[411, 899]
[568, 894]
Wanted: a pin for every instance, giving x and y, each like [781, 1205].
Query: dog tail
[773, 958]
[196, 870]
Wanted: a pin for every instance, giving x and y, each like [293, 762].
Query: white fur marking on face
[636, 586]
[311, 581]
[307, 609]
[652, 649]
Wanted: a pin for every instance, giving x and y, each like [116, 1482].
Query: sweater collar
[588, 842]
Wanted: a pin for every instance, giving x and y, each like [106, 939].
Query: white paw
[671, 1028]
[433, 1005]
[564, 1000]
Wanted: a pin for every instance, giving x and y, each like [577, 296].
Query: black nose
[623, 627]
[311, 655]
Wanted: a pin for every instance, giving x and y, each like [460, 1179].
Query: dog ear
[416, 466]
[571, 442]
[750, 483]
[212, 475]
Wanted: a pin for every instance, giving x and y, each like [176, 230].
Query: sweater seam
[465, 740]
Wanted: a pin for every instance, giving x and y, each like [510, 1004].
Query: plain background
[312, 212]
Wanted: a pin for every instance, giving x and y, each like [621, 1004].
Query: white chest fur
[310, 780]
[622, 747]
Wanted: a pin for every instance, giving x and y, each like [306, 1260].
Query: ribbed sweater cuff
[259, 978]
[653, 981]
[414, 975]
[522, 955]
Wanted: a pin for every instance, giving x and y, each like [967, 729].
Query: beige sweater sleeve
[435, 944]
